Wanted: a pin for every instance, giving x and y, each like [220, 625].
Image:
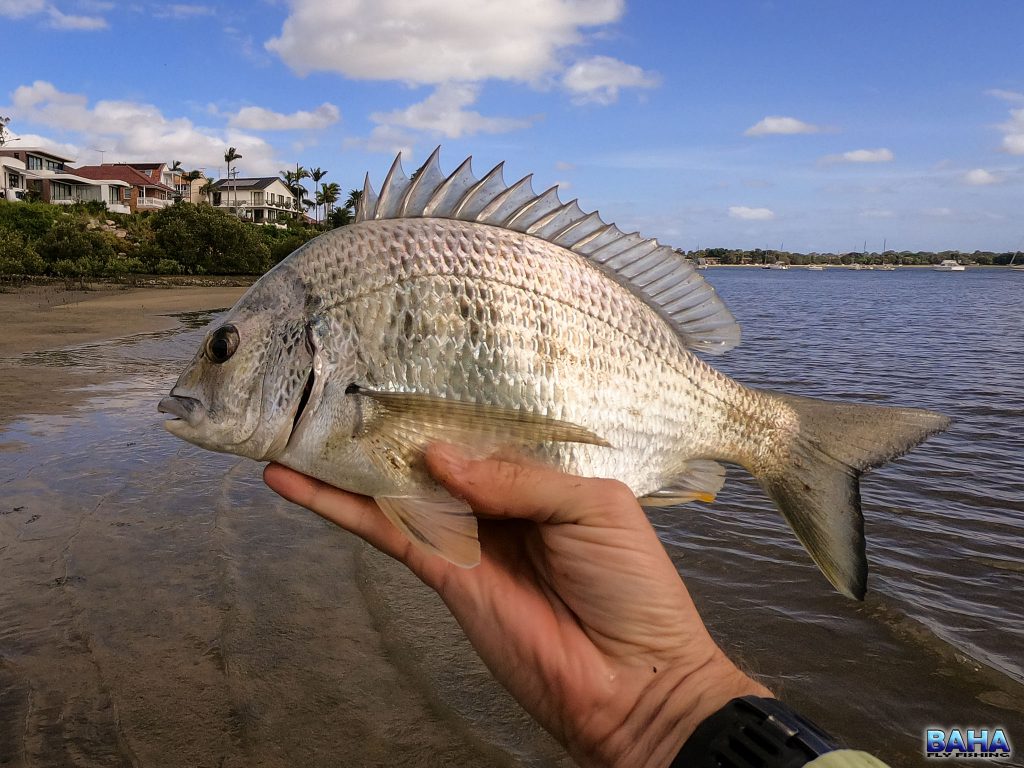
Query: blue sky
[808, 124]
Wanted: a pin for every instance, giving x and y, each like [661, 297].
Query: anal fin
[699, 480]
[443, 526]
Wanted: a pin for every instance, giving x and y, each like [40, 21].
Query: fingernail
[451, 457]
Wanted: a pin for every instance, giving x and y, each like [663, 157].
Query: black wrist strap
[753, 733]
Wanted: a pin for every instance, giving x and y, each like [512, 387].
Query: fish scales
[567, 335]
[494, 318]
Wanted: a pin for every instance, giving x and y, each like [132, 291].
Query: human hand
[575, 607]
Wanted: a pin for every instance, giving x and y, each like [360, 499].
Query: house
[144, 194]
[29, 172]
[171, 177]
[266, 200]
[193, 192]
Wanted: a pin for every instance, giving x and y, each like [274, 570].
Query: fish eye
[221, 344]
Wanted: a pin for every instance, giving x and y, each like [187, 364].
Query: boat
[816, 267]
[1016, 267]
[887, 268]
[949, 265]
[702, 263]
[778, 265]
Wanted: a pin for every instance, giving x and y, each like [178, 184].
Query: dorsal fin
[656, 273]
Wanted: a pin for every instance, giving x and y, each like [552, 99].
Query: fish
[464, 310]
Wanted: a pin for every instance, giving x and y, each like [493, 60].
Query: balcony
[152, 202]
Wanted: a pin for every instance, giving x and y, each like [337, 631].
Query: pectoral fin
[443, 526]
[398, 427]
[700, 480]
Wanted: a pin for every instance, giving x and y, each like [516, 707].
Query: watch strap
[754, 732]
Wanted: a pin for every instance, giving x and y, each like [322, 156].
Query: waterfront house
[144, 193]
[265, 200]
[34, 172]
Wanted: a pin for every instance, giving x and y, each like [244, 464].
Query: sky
[808, 125]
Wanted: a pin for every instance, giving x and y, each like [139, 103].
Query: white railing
[153, 202]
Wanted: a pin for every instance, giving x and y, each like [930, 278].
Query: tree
[176, 165]
[4, 122]
[190, 177]
[355, 197]
[208, 189]
[316, 174]
[229, 157]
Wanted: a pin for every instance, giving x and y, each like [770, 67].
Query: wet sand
[160, 606]
[45, 317]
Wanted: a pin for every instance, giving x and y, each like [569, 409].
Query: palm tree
[330, 193]
[355, 196]
[208, 189]
[316, 174]
[190, 177]
[176, 165]
[229, 157]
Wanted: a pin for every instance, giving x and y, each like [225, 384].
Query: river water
[160, 607]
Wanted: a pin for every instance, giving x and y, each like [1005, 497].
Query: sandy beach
[47, 317]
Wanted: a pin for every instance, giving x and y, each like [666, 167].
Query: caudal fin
[818, 487]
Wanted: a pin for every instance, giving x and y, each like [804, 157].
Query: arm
[575, 607]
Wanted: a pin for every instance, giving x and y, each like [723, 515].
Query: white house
[266, 200]
[41, 172]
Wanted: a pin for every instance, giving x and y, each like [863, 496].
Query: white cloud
[384, 138]
[72, 151]
[564, 165]
[881, 155]
[1013, 138]
[597, 80]
[878, 213]
[939, 213]
[1011, 96]
[444, 113]
[750, 214]
[778, 124]
[60, 20]
[260, 119]
[19, 9]
[979, 177]
[426, 42]
[130, 131]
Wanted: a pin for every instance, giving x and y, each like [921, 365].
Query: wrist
[669, 710]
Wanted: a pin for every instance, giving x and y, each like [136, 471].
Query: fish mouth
[180, 408]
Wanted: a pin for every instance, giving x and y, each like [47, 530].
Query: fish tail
[815, 480]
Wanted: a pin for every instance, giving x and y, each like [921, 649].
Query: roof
[146, 166]
[37, 151]
[121, 172]
[254, 183]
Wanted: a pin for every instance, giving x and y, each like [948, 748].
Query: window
[53, 165]
[34, 163]
[257, 198]
[60, 191]
[13, 180]
[216, 198]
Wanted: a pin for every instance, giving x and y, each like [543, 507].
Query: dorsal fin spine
[430, 171]
[471, 198]
[367, 201]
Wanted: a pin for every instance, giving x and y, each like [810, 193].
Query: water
[158, 606]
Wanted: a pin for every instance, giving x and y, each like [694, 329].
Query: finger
[358, 514]
[507, 487]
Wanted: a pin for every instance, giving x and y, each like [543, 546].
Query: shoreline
[46, 317]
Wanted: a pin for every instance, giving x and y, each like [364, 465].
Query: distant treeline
[85, 240]
[759, 256]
